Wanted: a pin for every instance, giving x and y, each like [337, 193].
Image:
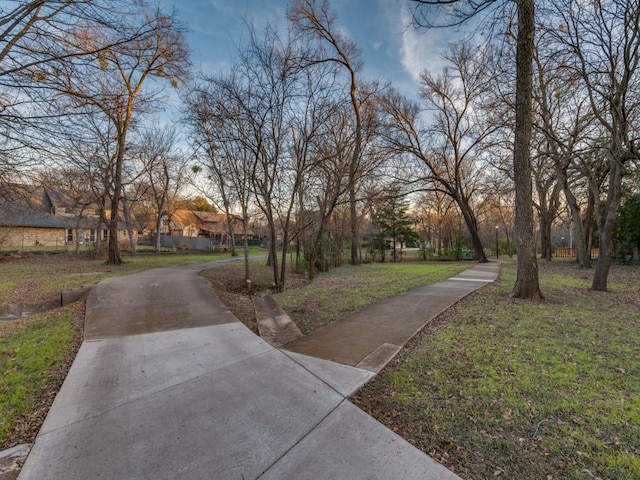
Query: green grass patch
[36, 278]
[6, 288]
[30, 359]
[347, 289]
[522, 389]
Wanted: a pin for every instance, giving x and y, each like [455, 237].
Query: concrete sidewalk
[372, 336]
[169, 385]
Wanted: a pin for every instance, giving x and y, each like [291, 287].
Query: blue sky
[391, 49]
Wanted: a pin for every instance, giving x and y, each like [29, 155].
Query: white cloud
[421, 49]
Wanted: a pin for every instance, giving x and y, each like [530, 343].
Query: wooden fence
[567, 252]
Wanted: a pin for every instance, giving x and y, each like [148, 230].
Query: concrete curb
[11, 461]
[12, 311]
[274, 325]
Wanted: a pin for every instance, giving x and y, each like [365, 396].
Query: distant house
[190, 223]
[43, 216]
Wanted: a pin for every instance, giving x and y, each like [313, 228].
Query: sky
[391, 49]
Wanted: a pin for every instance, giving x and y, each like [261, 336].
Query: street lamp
[496, 241]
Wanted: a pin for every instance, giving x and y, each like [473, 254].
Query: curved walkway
[169, 385]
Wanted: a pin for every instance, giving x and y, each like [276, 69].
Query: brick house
[42, 216]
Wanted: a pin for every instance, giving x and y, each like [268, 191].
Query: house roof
[206, 221]
[60, 198]
[25, 206]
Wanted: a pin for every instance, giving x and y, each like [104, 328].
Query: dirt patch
[231, 288]
[241, 306]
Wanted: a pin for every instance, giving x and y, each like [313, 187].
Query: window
[69, 234]
[105, 235]
[92, 235]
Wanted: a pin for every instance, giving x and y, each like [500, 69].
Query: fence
[566, 252]
[182, 243]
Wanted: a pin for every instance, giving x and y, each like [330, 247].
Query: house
[190, 223]
[33, 216]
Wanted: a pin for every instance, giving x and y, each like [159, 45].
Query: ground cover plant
[499, 387]
[35, 355]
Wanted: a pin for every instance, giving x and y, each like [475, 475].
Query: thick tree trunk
[472, 227]
[114, 257]
[527, 282]
[605, 235]
[353, 172]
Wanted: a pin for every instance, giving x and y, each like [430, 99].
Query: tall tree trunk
[157, 236]
[127, 218]
[273, 256]
[472, 227]
[587, 229]
[353, 171]
[545, 235]
[232, 235]
[283, 263]
[581, 239]
[114, 257]
[547, 211]
[527, 283]
[605, 234]
[245, 244]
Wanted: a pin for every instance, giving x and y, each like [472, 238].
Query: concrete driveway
[169, 385]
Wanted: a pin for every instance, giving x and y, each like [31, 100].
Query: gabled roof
[60, 198]
[27, 206]
[205, 221]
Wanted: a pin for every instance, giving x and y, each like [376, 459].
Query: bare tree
[451, 148]
[249, 120]
[602, 43]
[527, 283]
[328, 181]
[35, 36]
[113, 85]
[564, 118]
[68, 184]
[316, 19]
[223, 149]
[163, 171]
[461, 130]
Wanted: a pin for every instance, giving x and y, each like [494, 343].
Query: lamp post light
[496, 241]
